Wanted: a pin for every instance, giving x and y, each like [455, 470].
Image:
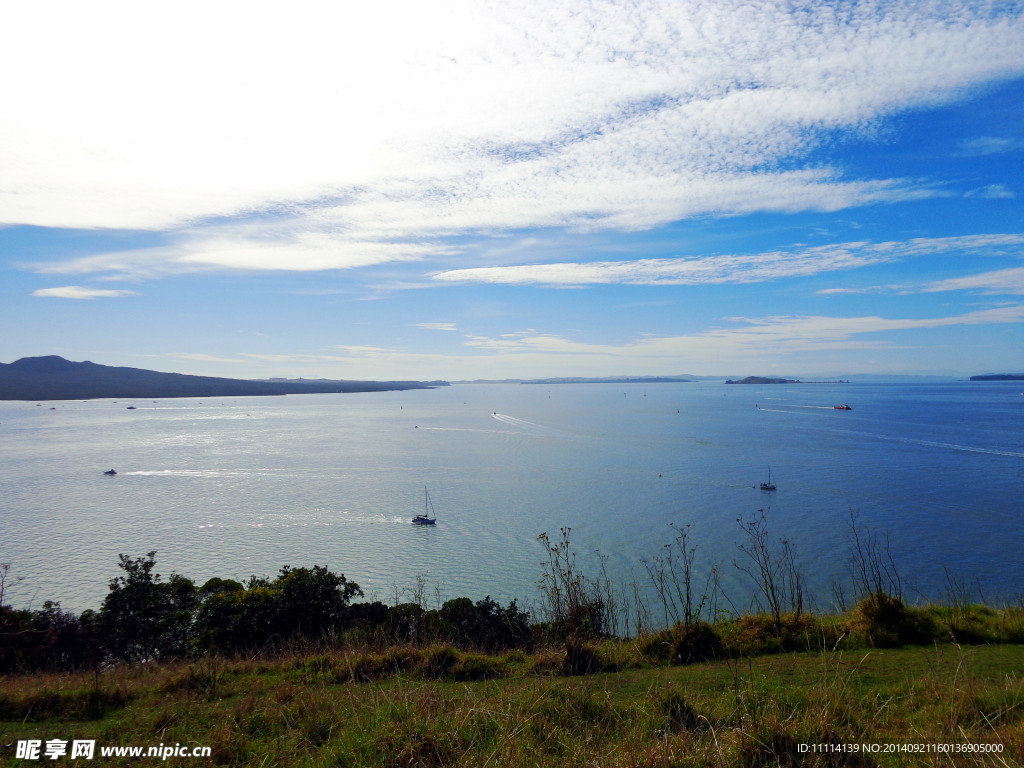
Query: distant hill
[54, 378]
[999, 377]
[763, 380]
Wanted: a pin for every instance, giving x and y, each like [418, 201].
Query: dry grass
[440, 706]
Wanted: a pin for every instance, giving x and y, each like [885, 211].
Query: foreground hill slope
[54, 378]
[433, 707]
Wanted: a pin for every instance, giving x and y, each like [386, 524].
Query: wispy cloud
[80, 292]
[461, 122]
[437, 326]
[861, 290]
[732, 268]
[992, 192]
[753, 340]
[240, 247]
[199, 357]
[1002, 281]
[795, 342]
[990, 145]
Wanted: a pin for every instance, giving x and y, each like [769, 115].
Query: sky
[466, 190]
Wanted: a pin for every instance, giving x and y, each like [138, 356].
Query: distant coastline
[54, 378]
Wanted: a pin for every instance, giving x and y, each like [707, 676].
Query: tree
[143, 618]
[774, 571]
[301, 602]
[313, 601]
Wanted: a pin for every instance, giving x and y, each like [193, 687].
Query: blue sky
[500, 189]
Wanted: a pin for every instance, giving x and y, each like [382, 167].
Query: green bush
[472, 667]
[697, 642]
[439, 660]
[887, 623]
[581, 658]
[684, 644]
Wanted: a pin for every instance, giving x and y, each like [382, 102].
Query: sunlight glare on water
[237, 487]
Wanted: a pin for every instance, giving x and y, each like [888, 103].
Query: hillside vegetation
[442, 706]
[294, 670]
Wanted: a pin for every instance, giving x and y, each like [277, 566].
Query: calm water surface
[233, 487]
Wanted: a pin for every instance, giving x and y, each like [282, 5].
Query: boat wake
[957, 447]
[460, 429]
[199, 472]
[935, 444]
[522, 424]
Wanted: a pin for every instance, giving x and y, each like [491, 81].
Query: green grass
[440, 706]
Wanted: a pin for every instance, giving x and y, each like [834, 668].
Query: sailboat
[428, 510]
[768, 486]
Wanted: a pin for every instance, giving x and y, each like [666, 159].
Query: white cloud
[370, 130]
[79, 292]
[733, 268]
[437, 326]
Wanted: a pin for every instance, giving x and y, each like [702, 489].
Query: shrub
[684, 644]
[473, 667]
[47, 639]
[697, 642]
[580, 658]
[485, 624]
[679, 715]
[886, 622]
[437, 661]
[402, 659]
[657, 647]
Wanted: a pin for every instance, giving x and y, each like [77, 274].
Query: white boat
[768, 486]
[428, 510]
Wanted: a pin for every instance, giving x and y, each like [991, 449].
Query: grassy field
[440, 706]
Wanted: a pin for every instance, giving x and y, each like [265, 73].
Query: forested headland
[54, 378]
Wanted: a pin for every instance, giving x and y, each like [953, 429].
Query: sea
[240, 487]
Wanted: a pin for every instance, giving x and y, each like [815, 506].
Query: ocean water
[235, 487]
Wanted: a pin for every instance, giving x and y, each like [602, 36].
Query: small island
[763, 380]
[999, 377]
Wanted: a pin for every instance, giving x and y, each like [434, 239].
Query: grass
[441, 706]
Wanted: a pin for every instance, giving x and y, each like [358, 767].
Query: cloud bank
[343, 135]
